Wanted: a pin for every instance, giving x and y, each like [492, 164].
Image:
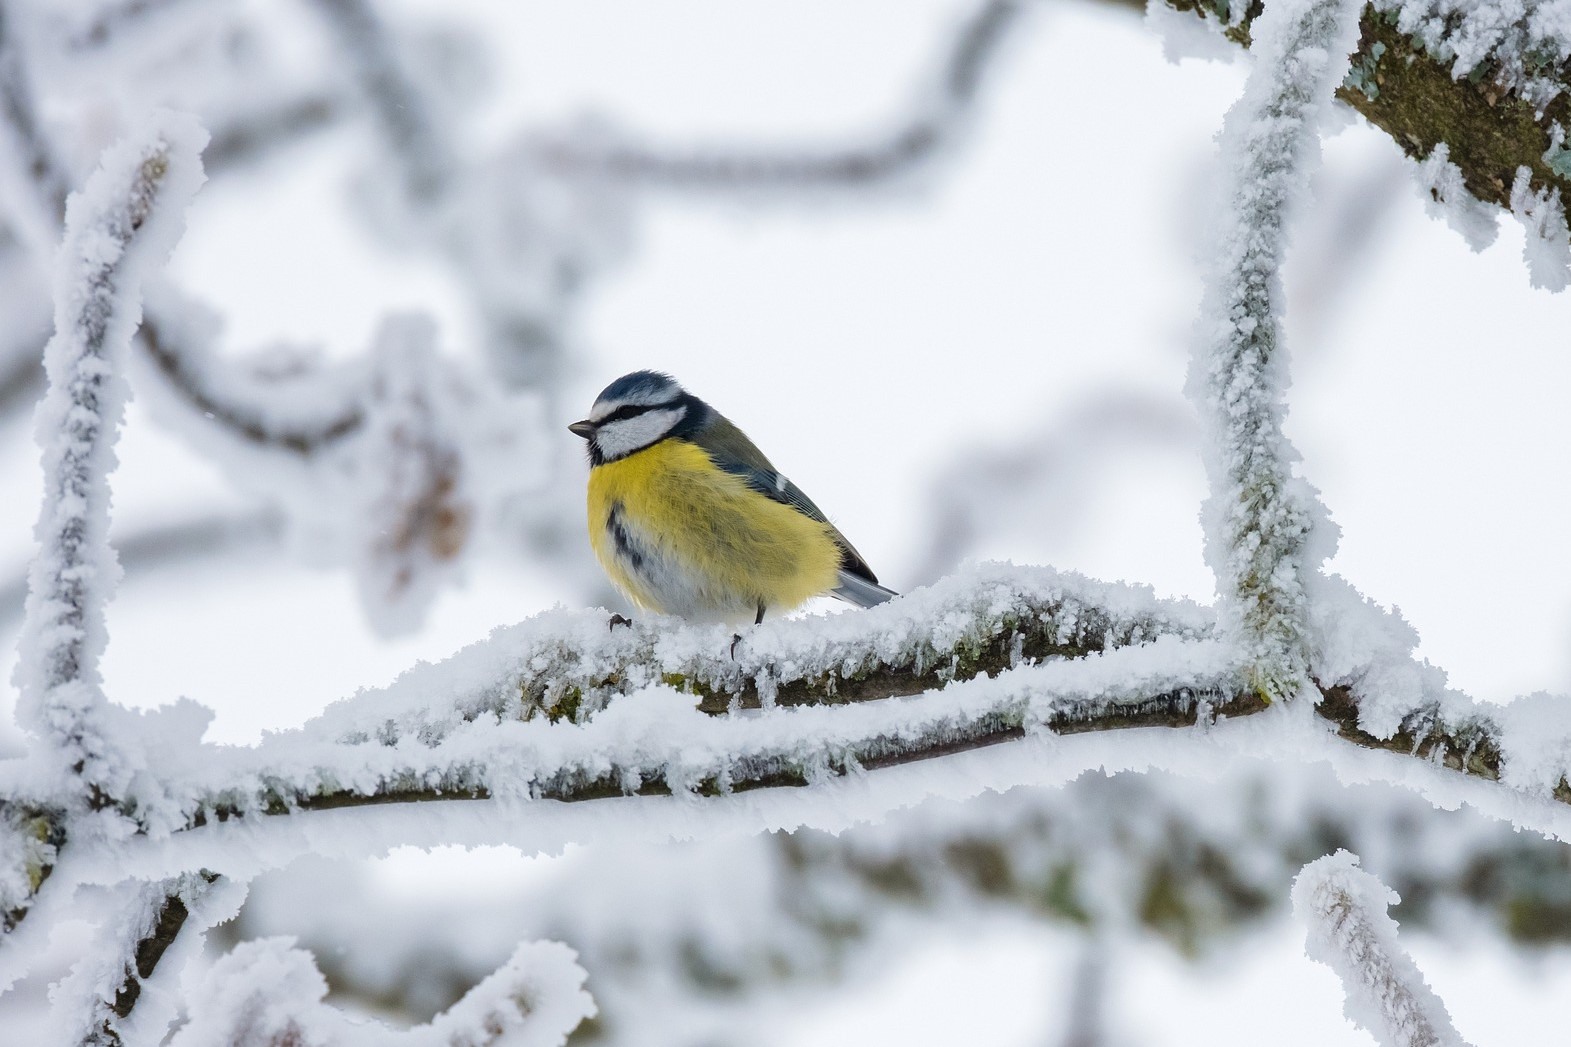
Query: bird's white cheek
[631, 434]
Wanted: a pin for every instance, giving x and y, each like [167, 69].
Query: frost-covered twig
[268, 994]
[944, 105]
[1258, 516]
[97, 1000]
[1065, 655]
[1350, 932]
[128, 217]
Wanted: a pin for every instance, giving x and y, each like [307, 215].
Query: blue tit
[689, 518]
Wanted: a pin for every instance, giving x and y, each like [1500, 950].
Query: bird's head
[636, 411]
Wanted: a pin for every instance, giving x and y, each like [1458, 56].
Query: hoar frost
[129, 214]
[1350, 932]
[1259, 517]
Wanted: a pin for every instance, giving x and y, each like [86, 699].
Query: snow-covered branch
[127, 218]
[937, 118]
[1485, 94]
[649, 739]
[99, 1000]
[30, 840]
[269, 994]
[564, 707]
[1259, 517]
[1350, 932]
[1191, 861]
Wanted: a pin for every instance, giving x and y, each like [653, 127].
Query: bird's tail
[858, 590]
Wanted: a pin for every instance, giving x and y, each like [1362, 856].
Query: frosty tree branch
[128, 214]
[1350, 932]
[1258, 515]
[105, 987]
[1488, 91]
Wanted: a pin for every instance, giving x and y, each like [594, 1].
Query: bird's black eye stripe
[633, 411]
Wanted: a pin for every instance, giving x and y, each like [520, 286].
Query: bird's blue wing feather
[731, 450]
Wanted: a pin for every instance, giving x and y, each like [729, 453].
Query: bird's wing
[732, 451]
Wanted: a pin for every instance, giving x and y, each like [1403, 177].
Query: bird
[688, 518]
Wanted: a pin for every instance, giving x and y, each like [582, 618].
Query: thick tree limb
[1410, 94]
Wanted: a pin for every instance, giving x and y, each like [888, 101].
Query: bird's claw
[736, 638]
[617, 620]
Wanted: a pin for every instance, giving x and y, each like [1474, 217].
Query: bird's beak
[586, 429]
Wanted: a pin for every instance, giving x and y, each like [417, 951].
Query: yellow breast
[681, 536]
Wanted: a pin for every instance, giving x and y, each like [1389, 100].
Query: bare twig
[258, 133]
[969, 57]
[424, 154]
[37, 167]
[175, 357]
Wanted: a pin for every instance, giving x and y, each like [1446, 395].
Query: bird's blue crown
[640, 387]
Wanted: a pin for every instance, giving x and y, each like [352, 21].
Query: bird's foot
[617, 620]
[736, 638]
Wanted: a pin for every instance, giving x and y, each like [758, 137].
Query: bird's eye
[629, 411]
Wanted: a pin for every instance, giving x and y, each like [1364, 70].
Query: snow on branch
[128, 217]
[1351, 932]
[30, 842]
[563, 707]
[107, 993]
[1547, 245]
[268, 994]
[482, 723]
[655, 742]
[568, 664]
[937, 118]
[1259, 517]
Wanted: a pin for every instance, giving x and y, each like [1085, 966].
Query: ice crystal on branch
[1350, 932]
[1547, 247]
[1259, 517]
[129, 214]
[1446, 197]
